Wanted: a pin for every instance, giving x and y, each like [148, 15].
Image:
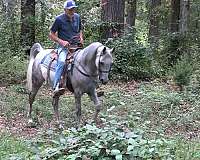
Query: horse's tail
[35, 49]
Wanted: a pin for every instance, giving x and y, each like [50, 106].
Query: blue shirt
[65, 28]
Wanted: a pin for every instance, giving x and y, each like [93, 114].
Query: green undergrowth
[112, 141]
[12, 72]
[12, 147]
[151, 121]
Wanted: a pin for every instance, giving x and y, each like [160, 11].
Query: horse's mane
[89, 53]
[92, 48]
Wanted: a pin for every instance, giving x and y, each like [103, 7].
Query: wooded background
[152, 113]
[153, 38]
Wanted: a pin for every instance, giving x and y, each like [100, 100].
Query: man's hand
[53, 36]
[81, 41]
[63, 43]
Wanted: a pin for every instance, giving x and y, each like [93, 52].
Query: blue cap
[69, 4]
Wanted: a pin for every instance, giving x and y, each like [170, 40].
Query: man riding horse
[91, 64]
[66, 30]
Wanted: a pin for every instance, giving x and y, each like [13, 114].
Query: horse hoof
[30, 120]
[31, 124]
[60, 127]
[100, 94]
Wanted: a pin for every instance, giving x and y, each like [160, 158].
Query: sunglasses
[72, 9]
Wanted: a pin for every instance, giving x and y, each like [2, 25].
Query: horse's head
[104, 62]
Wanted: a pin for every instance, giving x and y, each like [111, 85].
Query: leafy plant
[182, 72]
[111, 141]
[132, 59]
[12, 72]
[13, 148]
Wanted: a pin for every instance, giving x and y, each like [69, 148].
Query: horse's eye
[101, 63]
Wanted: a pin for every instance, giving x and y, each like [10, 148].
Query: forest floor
[159, 110]
[154, 106]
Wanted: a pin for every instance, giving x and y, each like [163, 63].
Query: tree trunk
[174, 53]
[175, 15]
[10, 8]
[113, 18]
[43, 15]
[27, 23]
[184, 16]
[154, 21]
[131, 13]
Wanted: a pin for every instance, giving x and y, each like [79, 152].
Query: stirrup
[58, 91]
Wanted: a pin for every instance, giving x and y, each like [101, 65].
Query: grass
[12, 147]
[155, 108]
[187, 150]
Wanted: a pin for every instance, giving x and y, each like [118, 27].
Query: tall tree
[113, 17]
[184, 16]
[175, 15]
[154, 15]
[131, 13]
[27, 23]
[174, 52]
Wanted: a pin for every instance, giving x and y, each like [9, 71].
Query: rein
[102, 71]
[85, 73]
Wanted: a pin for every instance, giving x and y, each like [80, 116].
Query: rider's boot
[58, 74]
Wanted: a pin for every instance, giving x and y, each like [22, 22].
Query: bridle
[85, 73]
[103, 71]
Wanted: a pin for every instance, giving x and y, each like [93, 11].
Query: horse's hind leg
[55, 107]
[36, 84]
[32, 95]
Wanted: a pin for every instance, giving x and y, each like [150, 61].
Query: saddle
[71, 50]
[67, 68]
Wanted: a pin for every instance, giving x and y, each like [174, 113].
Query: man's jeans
[62, 54]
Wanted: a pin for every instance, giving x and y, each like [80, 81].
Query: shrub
[111, 142]
[13, 70]
[182, 72]
[132, 59]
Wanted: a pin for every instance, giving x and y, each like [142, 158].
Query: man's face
[70, 12]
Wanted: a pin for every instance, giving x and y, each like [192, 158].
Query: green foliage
[13, 70]
[91, 19]
[187, 150]
[182, 72]
[9, 35]
[111, 141]
[194, 85]
[47, 11]
[141, 120]
[12, 148]
[132, 60]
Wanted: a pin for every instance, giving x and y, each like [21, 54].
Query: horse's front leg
[97, 104]
[56, 112]
[78, 108]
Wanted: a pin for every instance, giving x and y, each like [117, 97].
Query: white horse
[90, 65]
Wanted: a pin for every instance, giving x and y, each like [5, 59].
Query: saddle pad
[46, 60]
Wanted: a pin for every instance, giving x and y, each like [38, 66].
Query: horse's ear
[112, 50]
[104, 50]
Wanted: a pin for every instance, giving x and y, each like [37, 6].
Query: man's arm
[53, 36]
